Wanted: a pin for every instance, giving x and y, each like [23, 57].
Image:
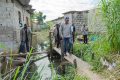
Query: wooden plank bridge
[82, 67]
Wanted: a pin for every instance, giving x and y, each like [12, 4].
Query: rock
[114, 64]
[108, 64]
[110, 67]
[104, 62]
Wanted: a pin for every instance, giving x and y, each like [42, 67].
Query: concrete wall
[78, 19]
[9, 23]
[58, 21]
[92, 19]
[95, 22]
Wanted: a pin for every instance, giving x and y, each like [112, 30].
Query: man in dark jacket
[85, 34]
[57, 35]
[73, 33]
[25, 36]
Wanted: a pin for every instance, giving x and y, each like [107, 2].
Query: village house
[91, 18]
[78, 18]
[13, 15]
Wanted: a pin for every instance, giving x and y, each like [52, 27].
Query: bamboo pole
[62, 50]
[51, 46]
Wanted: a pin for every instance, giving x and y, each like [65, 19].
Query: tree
[38, 17]
[41, 18]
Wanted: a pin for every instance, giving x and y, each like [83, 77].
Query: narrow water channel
[43, 65]
[49, 72]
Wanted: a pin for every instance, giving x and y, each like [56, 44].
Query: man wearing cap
[66, 32]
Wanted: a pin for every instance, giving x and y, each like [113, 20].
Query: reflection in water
[46, 72]
[43, 64]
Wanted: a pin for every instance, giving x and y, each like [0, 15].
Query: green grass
[42, 36]
[93, 51]
[70, 74]
[16, 72]
[111, 12]
[104, 44]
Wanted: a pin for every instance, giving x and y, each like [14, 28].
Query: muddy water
[43, 65]
[47, 71]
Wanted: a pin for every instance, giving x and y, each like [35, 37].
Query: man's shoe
[20, 53]
[65, 54]
[70, 53]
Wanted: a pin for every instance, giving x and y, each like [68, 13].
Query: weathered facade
[95, 22]
[13, 15]
[78, 18]
[59, 20]
[91, 18]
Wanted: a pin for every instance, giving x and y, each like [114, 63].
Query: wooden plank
[21, 55]
[82, 66]
[68, 58]
[1, 53]
[57, 50]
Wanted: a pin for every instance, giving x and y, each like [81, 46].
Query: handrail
[51, 45]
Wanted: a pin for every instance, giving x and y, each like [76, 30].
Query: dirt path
[83, 68]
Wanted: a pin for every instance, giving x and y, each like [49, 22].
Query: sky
[54, 8]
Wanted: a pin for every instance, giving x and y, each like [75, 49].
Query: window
[27, 21]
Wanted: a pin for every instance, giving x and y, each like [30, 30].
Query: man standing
[85, 33]
[72, 40]
[66, 33]
[73, 32]
[56, 33]
[25, 36]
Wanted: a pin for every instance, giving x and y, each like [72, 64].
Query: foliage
[93, 51]
[40, 37]
[111, 12]
[39, 17]
[50, 24]
[24, 72]
[2, 46]
[20, 72]
[70, 74]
